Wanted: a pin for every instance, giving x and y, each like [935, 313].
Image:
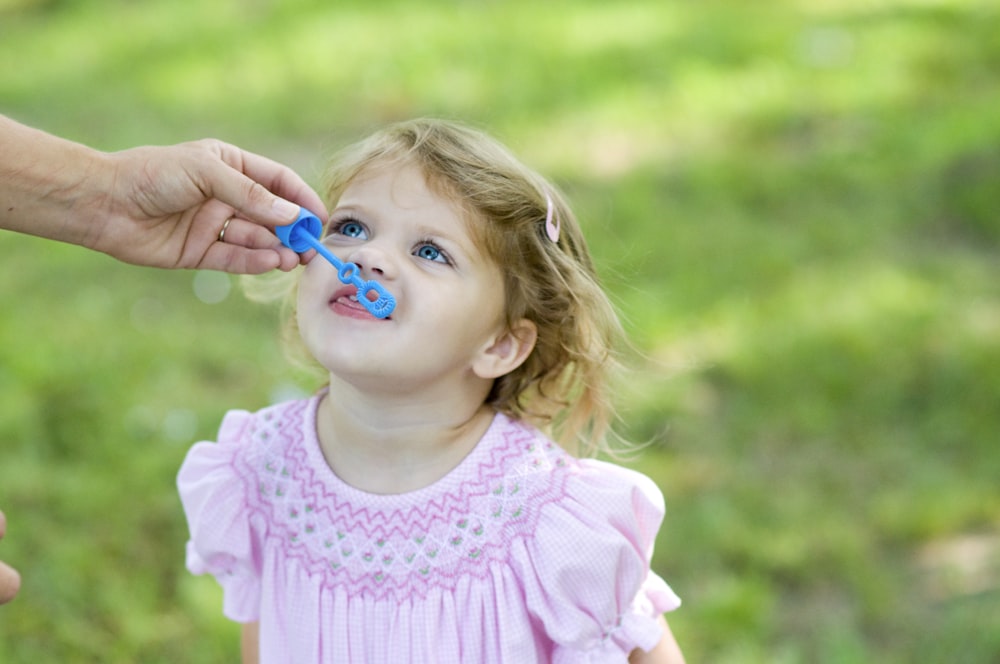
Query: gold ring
[222, 233]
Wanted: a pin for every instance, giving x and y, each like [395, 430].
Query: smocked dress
[521, 554]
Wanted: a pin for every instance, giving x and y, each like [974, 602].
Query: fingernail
[285, 209]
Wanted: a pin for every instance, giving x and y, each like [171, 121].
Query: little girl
[416, 509]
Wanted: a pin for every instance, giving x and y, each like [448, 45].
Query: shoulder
[565, 496]
[269, 420]
[632, 491]
[607, 503]
[246, 438]
[268, 427]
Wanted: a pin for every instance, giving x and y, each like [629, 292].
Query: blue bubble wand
[303, 234]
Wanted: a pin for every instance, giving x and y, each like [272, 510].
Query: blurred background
[793, 202]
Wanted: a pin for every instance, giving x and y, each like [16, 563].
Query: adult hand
[204, 204]
[10, 580]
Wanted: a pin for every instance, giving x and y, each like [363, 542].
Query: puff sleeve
[222, 541]
[586, 574]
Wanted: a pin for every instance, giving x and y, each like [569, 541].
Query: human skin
[10, 580]
[406, 397]
[159, 206]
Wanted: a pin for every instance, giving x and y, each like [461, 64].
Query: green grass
[793, 203]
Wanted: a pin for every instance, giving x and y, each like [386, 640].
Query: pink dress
[521, 554]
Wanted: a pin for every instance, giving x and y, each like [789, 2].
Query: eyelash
[337, 227]
[446, 259]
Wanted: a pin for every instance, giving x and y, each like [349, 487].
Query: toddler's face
[416, 243]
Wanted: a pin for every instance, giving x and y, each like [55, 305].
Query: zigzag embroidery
[403, 551]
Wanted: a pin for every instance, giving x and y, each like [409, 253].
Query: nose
[373, 261]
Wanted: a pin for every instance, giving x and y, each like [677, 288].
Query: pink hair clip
[551, 225]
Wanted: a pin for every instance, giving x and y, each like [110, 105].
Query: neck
[394, 444]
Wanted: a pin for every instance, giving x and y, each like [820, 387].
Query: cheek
[308, 298]
[310, 285]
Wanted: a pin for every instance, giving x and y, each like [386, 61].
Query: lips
[344, 301]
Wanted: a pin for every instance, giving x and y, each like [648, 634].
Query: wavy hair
[564, 386]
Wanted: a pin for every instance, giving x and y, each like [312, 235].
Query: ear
[507, 351]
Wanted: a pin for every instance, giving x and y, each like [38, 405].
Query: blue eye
[351, 228]
[428, 251]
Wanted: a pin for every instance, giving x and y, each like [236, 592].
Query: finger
[282, 181]
[263, 190]
[242, 260]
[10, 582]
[251, 199]
[249, 235]
[244, 233]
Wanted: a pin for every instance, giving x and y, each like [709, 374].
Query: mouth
[345, 301]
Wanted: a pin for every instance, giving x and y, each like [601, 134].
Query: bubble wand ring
[303, 234]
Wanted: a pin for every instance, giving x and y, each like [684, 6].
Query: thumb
[250, 198]
[259, 188]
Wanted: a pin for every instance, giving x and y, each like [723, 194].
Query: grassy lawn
[794, 203]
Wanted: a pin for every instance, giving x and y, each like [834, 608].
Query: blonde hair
[564, 385]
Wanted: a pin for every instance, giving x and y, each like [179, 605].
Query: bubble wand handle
[303, 234]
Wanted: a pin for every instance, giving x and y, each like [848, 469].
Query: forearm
[249, 646]
[50, 187]
[666, 651]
